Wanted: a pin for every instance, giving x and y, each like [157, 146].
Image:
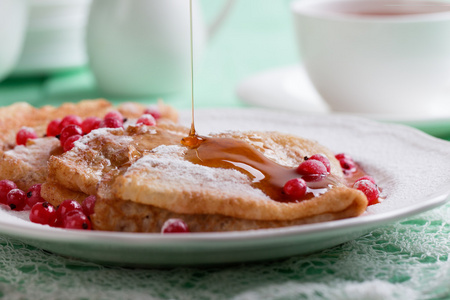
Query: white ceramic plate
[412, 168]
[289, 88]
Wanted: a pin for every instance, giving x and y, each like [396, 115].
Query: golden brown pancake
[163, 185]
[145, 179]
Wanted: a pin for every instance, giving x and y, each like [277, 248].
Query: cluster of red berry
[17, 199]
[71, 128]
[365, 184]
[318, 166]
[70, 214]
[347, 164]
[313, 168]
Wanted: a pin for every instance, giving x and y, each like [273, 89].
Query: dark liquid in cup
[392, 9]
[384, 13]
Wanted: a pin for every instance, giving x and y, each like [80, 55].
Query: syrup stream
[192, 132]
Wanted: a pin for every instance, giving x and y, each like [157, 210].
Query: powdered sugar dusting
[39, 145]
[168, 165]
[169, 150]
[82, 144]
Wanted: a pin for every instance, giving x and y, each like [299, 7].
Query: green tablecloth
[405, 260]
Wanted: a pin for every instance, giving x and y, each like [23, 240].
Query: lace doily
[406, 260]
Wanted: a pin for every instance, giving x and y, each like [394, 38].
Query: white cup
[142, 47]
[388, 57]
[13, 21]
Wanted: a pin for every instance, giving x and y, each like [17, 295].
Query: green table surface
[404, 260]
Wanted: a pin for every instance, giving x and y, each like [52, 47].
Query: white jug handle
[215, 25]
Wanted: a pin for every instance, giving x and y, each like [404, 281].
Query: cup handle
[218, 21]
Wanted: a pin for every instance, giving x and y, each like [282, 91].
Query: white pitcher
[139, 48]
[13, 20]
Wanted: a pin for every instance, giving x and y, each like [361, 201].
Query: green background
[257, 36]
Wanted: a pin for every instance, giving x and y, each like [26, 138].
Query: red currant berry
[34, 195]
[76, 220]
[114, 115]
[69, 131]
[43, 213]
[53, 128]
[70, 120]
[312, 167]
[367, 178]
[90, 123]
[111, 123]
[67, 206]
[295, 187]
[175, 226]
[322, 158]
[343, 156]
[153, 111]
[57, 222]
[88, 205]
[369, 189]
[16, 199]
[24, 134]
[347, 165]
[5, 187]
[147, 119]
[69, 144]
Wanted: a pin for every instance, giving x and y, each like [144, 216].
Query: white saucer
[289, 88]
[286, 88]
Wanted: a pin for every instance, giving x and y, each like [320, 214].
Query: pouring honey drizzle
[192, 132]
[229, 153]
[193, 140]
[265, 174]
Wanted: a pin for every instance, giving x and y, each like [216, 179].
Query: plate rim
[435, 199]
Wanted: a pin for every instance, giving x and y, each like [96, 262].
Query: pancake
[142, 178]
